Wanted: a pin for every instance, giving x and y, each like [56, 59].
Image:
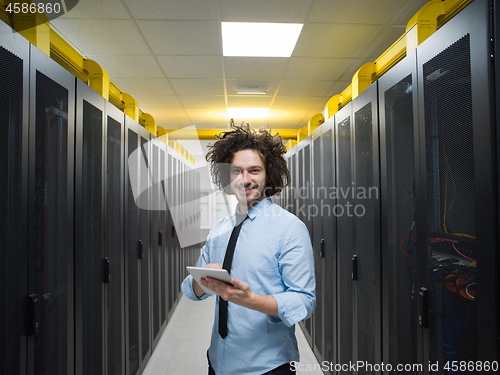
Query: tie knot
[240, 218]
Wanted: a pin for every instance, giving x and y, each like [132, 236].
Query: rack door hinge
[32, 315]
[106, 273]
[354, 273]
[423, 316]
[140, 251]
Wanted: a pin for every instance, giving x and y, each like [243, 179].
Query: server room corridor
[183, 346]
[382, 119]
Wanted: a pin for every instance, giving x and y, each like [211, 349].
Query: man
[272, 270]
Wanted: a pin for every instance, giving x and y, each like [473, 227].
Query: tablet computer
[200, 273]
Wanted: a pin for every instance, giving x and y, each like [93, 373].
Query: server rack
[317, 239]
[457, 246]
[138, 250]
[366, 215]
[90, 319]
[50, 213]
[345, 235]
[14, 116]
[398, 111]
[327, 203]
[162, 237]
[114, 266]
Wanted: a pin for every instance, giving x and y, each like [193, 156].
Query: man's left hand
[241, 294]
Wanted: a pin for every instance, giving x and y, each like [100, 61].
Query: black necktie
[228, 260]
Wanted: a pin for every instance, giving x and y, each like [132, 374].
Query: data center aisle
[183, 346]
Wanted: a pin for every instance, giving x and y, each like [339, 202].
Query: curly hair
[239, 138]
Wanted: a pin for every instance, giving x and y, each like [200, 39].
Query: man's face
[248, 177]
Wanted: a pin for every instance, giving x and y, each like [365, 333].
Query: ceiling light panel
[247, 113]
[259, 39]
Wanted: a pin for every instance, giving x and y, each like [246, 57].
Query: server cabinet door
[171, 231]
[398, 111]
[315, 216]
[89, 231]
[137, 240]
[329, 244]
[366, 213]
[345, 235]
[50, 231]
[14, 111]
[154, 158]
[459, 245]
[162, 237]
[114, 234]
[145, 237]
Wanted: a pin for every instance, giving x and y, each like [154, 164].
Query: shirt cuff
[187, 289]
[291, 310]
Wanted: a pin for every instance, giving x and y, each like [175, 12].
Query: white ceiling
[167, 54]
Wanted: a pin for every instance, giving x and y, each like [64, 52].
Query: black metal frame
[475, 21]
[329, 246]
[369, 273]
[19, 46]
[82, 254]
[42, 63]
[407, 66]
[118, 263]
[346, 348]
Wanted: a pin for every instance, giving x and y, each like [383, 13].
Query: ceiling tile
[192, 101]
[408, 11]
[128, 66]
[146, 102]
[292, 11]
[168, 122]
[355, 66]
[233, 84]
[182, 37]
[102, 37]
[198, 86]
[191, 66]
[337, 88]
[384, 40]
[295, 102]
[355, 11]
[317, 68]
[304, 88]
[97, 9]
[172, 9]
[255, 67]
[334, 40]
[249, 101]
[137, 86]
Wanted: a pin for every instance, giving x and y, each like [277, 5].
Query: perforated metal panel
[449, 145]
[132, 243]
[400, 205]
[144, 233]
[12, 219]
[345, 240]
[329, 234]
[114, 245]
[366, 221]
[317, 229]
[163, 248]
[92, 239]
[155, 261]
[52, 231]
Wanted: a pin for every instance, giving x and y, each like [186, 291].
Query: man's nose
[245, 177]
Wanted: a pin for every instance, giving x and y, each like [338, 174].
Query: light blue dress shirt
[274, 256]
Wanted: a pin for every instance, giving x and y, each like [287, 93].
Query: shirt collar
[255, 210]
